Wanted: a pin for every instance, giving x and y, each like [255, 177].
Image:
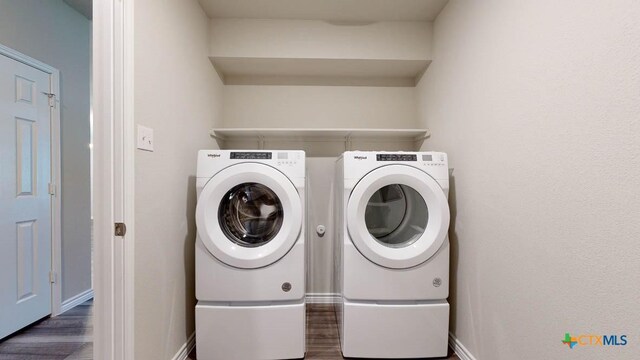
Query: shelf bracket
[426, 135]
[219, 139]
[347, 143]
[261, 142]
[420, 139]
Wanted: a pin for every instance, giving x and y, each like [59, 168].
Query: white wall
[320, 174]
[319, 106]
[177, 93]
[537, 104]
[54, 33]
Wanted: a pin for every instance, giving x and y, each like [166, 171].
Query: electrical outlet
[145, 138]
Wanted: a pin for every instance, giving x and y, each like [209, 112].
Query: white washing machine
[392, 263]
[250, 256]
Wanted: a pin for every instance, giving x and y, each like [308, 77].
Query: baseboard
[322, 298]
[186, 348]
[459, 349]
[76, 300]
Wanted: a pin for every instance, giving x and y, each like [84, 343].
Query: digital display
[427, 157]
[250, 155]
[396, 157]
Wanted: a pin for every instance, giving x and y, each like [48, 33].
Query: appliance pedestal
[413, 330]
[246, 332]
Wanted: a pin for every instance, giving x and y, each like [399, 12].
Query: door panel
[25, 204]
[26, 146]
[26, 260]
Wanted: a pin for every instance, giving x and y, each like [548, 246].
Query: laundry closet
[529, 100]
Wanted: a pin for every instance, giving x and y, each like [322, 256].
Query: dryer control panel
[396, 157]
[359, 163]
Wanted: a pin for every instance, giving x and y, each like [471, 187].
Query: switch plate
[145, 138]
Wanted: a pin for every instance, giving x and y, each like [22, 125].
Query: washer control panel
[250, 155]
[290, 162]
[286, 159]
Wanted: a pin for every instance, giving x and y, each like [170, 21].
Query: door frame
[113, 187]
[55, 177]
[114, 144]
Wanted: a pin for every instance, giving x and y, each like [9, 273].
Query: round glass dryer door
[397, 216]
[249, 215]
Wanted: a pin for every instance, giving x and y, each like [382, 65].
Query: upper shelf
[317, 141]
[338, 10]
[336, 72]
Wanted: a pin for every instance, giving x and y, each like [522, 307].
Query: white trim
[104, 317]
[322, 298]
[186, 348]
[18, 56]
[113, 179]
[459, 349]
[56, 177]
[76, 300]
[128, 134]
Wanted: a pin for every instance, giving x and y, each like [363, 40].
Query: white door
[397, 216]
[25, 203]
[249, 215]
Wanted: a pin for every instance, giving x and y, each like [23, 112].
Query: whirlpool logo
[360, 157]
[213, 155]
[594, 340]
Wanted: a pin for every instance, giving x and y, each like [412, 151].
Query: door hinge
[120, 229]
[52, 99]
[52, 189]
[53, 277]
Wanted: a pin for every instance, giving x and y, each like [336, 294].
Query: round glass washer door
[249, 215]
[397, 216]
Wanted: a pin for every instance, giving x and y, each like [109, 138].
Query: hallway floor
[67, 336]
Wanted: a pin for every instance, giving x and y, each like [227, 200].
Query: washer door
[249, 215]
[397, 216]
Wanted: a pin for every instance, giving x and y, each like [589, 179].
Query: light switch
[145, 138]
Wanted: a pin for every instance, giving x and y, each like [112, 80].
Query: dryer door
[397, 216]
[249, 215]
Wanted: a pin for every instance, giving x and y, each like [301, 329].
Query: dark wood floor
[68, 336]
[322, 335]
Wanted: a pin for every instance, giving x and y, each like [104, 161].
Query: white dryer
[250, 256]
[392, 265]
